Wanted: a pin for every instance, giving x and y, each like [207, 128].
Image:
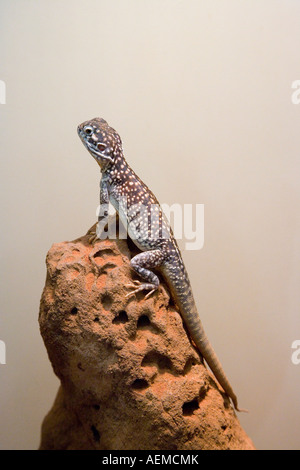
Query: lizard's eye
[88, 130]
[101, 146]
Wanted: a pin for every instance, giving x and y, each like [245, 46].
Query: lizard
[140, 212]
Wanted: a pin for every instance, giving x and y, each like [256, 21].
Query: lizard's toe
[93, 238]
[149, 293]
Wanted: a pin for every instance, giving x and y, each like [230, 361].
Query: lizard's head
[101, 140]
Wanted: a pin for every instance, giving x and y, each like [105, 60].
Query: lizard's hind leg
[142, 264]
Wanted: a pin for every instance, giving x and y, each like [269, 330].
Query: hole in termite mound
[189, 364]
[104, 252]
[143, 322]
[153, 358]
[140, 384]
[122, 317]
[96, 434]
[106, 301]
[189, 407]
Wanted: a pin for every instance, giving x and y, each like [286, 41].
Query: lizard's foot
[93, 237]
[138, 287]
[98, 232]
[92, 234]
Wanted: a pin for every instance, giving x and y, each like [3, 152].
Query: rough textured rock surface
[130, 378]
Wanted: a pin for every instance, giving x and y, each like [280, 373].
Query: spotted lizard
[149, 229]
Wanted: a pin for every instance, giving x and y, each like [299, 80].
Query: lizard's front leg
[142, 264]
[103, 212]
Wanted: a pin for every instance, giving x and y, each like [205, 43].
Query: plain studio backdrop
[201, 94]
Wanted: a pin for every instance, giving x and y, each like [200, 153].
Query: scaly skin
[149, 229]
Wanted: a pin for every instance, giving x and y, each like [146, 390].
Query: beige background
[200, 92]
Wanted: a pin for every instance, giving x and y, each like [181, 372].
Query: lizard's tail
[180, 287]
